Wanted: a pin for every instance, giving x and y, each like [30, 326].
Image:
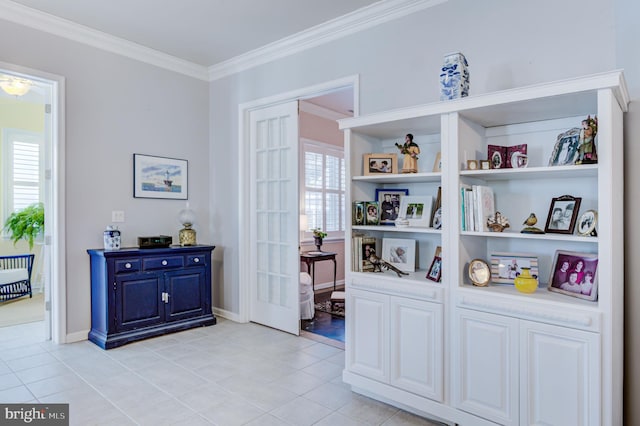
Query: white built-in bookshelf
[485, 355]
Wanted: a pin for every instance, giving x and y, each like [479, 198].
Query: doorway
[32, 157]
[248, 236]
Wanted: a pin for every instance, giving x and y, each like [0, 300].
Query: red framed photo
[435, 271]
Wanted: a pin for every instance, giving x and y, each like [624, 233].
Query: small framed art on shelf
[389, 201]
[574, 274]
[563, 213]
[401, 253]
[505, 267]
[417, 210]
[380, 164]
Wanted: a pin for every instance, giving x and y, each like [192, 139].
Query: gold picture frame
[380, 164]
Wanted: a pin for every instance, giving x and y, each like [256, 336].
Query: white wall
[399, 62]
[114, 107]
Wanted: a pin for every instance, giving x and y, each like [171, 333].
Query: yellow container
[525, 283]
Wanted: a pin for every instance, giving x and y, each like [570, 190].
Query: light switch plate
[117, 216]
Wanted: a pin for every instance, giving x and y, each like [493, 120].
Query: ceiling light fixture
[15, 86]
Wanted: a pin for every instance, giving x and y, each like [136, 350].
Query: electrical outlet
[117, 216]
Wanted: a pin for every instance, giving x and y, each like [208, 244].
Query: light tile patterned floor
[228, 374]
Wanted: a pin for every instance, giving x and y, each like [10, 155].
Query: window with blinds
[21, 163]
[324, 187]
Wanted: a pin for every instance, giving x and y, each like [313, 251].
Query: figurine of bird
[379, 263]
[531, 220]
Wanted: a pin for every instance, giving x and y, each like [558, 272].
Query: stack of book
[477, 204]
[362, 247]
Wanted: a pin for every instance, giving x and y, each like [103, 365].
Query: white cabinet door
[416, 347]
[486, 366]
[559, 376]
[368, 328]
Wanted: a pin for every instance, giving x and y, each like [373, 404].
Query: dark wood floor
[324, 324]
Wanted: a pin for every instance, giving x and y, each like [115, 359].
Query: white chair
[307, 308]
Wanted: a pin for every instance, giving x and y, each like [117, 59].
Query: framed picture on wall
[160, 177]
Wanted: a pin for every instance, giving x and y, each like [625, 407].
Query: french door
[274, 214]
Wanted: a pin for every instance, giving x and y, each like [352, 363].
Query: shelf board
[392, 228]
[401, 178]
[518, 235]
[555, 172]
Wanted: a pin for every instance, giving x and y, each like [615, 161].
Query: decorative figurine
[410, 149]
[587, 143]
[530, 229]
[378, 264]
[497, 223]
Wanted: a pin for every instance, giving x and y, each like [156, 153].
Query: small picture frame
[574, 274]
[358, 213]
[497, 156]
[417, 210]
[437, 164]
[479, 272]
[436, 214]
[435, 270]
[565, 151]
[485, 165]
[401, 253]
[389, 201]
[563, 213]
[472, 165]
[380, 164]
[505, 267]
[371, 213]
[586, 225]
[160, 177]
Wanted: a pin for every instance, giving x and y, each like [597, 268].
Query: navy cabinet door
[138, 300]
[186, 293]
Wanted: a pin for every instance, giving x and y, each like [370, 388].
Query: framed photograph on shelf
[389, 202]
[574, 274]
[435, 270]
[160, 177]
[358, 213]
[565, 151]
[417, 210]
[401, 253]
[479, 272]
[505, 267]
[380, 164]
[587, 224]
[497, 156]
[372, 213]
[437, 164]
[517, 156]
[563, 213]
[436, 215]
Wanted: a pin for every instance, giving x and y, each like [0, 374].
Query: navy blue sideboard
[140, 293]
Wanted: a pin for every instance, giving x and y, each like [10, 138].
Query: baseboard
[231, 316]
[78, 336]
[328, 285]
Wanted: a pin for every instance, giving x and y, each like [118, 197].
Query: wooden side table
[311, 257]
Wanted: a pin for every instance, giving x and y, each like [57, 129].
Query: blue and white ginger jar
[454, 77]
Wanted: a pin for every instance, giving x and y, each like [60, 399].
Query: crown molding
[19, 14]
[366, 17]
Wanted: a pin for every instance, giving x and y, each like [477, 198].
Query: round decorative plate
[479, 272]
[437, 219]
[587, 223]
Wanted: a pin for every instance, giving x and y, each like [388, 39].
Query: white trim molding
[358, 20]
[42, 21]
[361, 19]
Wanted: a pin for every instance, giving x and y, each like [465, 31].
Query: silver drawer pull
[127, 265]
[196, 260]
[164, 263]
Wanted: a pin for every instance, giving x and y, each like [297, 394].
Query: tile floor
[227, 374]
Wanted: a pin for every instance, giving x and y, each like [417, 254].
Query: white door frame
[244, 248]
[55, 207]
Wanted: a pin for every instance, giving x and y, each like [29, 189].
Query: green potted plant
[318, 235]
[26, 224]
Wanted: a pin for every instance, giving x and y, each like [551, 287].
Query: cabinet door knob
[127, 265]
[196, 260]
[164, 263]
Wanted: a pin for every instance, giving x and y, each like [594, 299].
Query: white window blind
[22, 175]
[324, 187]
